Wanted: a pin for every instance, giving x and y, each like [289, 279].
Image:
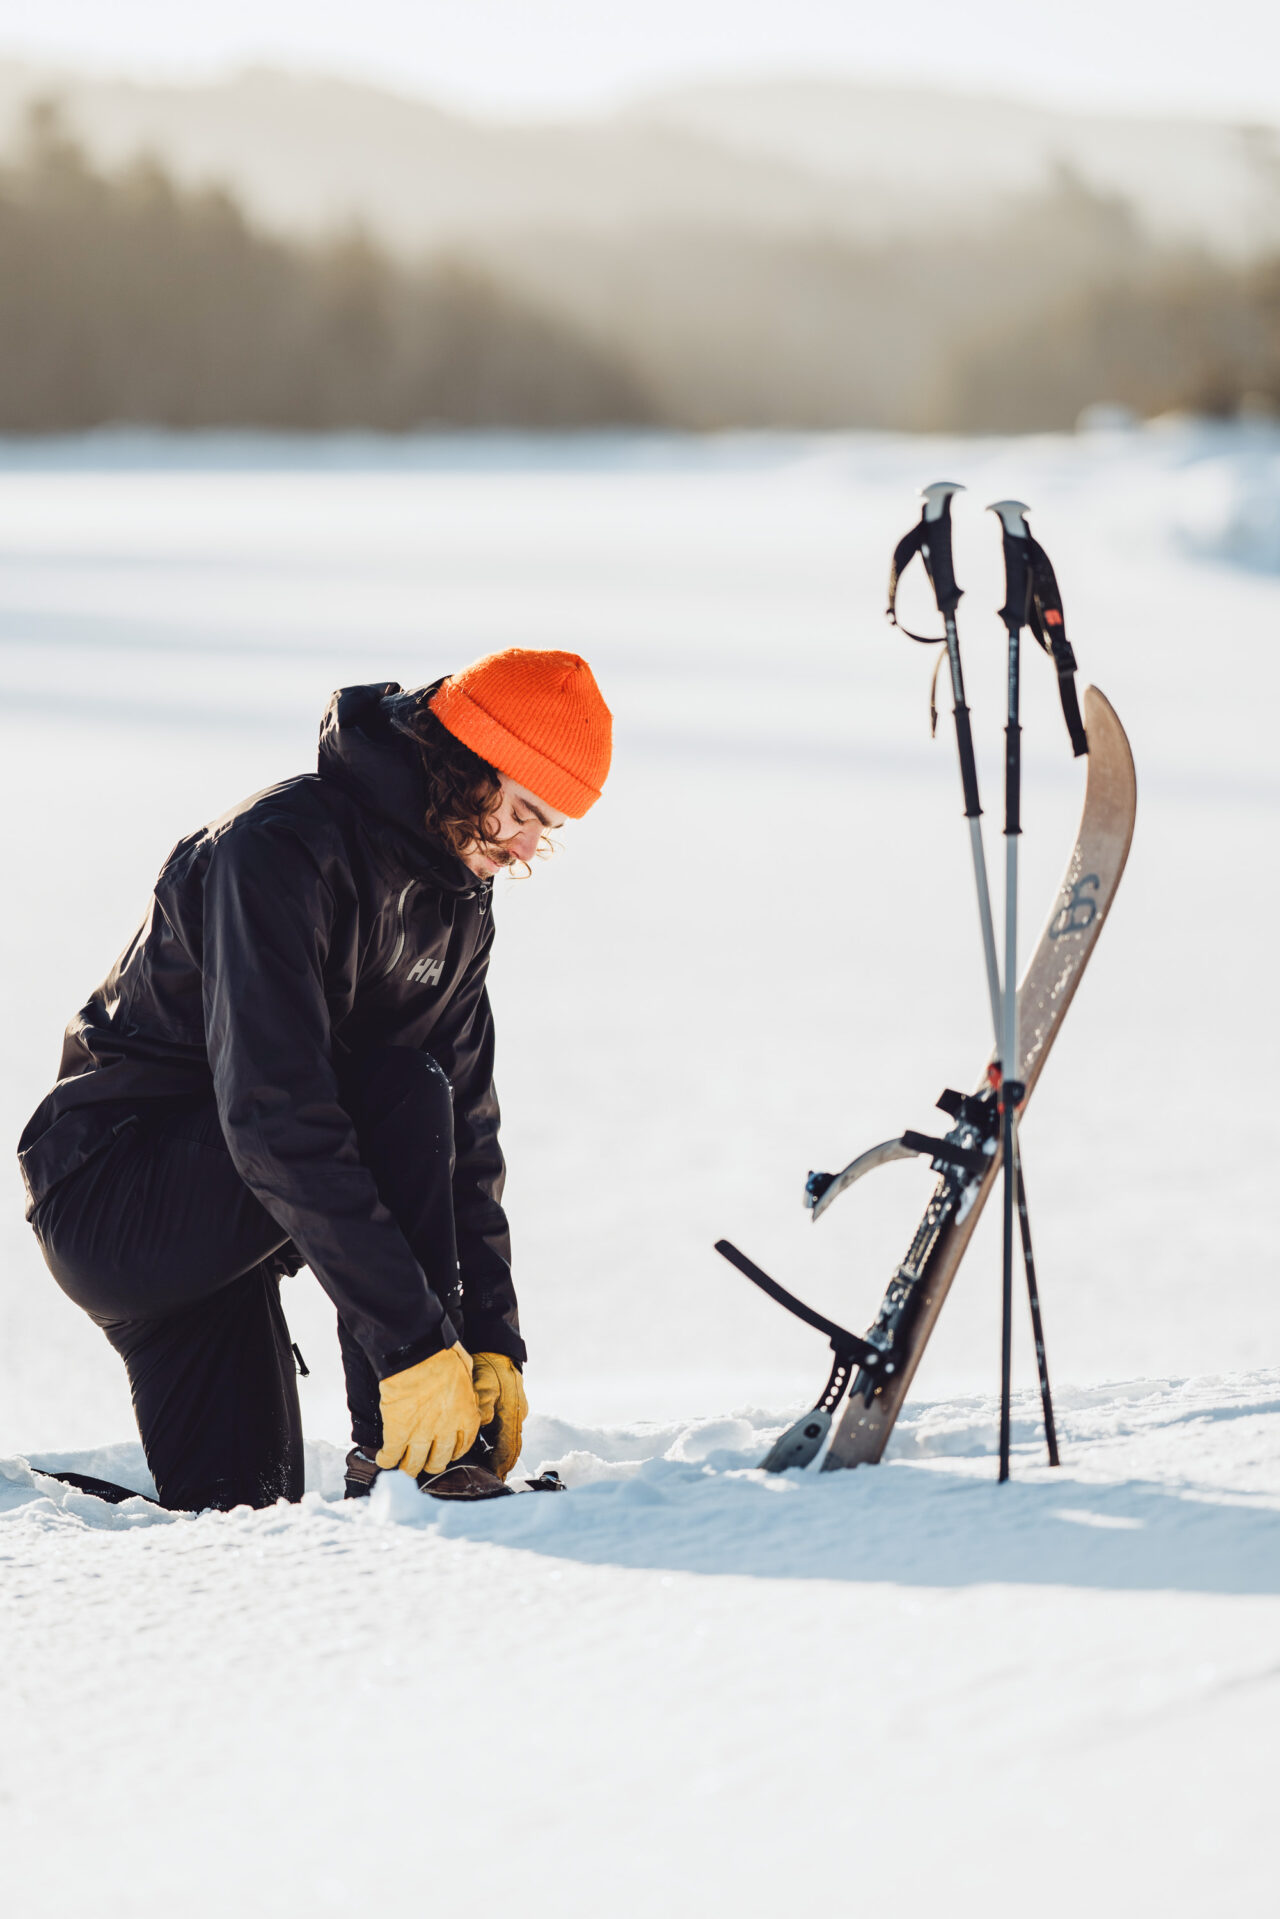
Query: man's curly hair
[463, 791]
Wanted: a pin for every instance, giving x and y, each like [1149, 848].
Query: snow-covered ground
[683, 1684]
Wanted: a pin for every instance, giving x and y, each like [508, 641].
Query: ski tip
[1012, 515]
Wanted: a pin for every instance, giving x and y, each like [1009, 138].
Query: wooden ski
[918, 1289]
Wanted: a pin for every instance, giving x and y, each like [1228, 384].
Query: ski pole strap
[931, 539]
[1048, 623]
[933, 696]
[903, 554]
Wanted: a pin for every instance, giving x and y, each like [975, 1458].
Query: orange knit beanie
[536, 716]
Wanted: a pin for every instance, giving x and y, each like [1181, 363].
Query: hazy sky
[540, 55]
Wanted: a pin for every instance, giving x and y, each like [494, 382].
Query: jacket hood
[362, 751]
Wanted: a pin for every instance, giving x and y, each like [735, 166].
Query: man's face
[515, 827]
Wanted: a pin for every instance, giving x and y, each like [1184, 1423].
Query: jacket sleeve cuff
[400, 1360]
[495, 1336]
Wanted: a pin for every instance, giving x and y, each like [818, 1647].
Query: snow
[684, 1684]
[683, 1681]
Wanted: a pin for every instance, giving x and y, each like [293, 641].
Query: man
[292, 1063]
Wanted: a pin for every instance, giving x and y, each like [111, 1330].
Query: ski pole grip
[1012, 780]
[1012, 515]
[968, 766]
[935, 548]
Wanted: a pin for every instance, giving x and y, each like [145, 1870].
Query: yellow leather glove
[500, 1395]
[429, 1413]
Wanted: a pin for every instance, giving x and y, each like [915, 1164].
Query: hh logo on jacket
[429, 971]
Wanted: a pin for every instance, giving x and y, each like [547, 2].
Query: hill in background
[307, 152]
[807, 254]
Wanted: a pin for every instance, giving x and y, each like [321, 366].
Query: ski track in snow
[685, 1685]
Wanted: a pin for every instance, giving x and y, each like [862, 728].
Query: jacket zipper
[394, 961]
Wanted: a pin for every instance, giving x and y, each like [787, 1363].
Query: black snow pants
[164, 1246]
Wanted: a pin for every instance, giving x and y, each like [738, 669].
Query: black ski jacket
[317, 917]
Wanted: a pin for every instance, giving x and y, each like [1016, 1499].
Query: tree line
[1056, 300]
[127, 297]
[1184, 333]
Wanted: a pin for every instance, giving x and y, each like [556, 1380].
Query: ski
[969, 1158]
[104, 1489]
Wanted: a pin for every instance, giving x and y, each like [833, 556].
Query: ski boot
[467, 1478]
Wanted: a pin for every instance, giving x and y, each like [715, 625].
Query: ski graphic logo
[1079, 909]
[429, 971]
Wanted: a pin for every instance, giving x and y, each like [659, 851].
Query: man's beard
[496, 851]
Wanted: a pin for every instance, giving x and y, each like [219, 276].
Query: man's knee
[216, 1398]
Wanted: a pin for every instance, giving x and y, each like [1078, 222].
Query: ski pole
[1037, 1325]
[1016, 613]
[931, 539]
